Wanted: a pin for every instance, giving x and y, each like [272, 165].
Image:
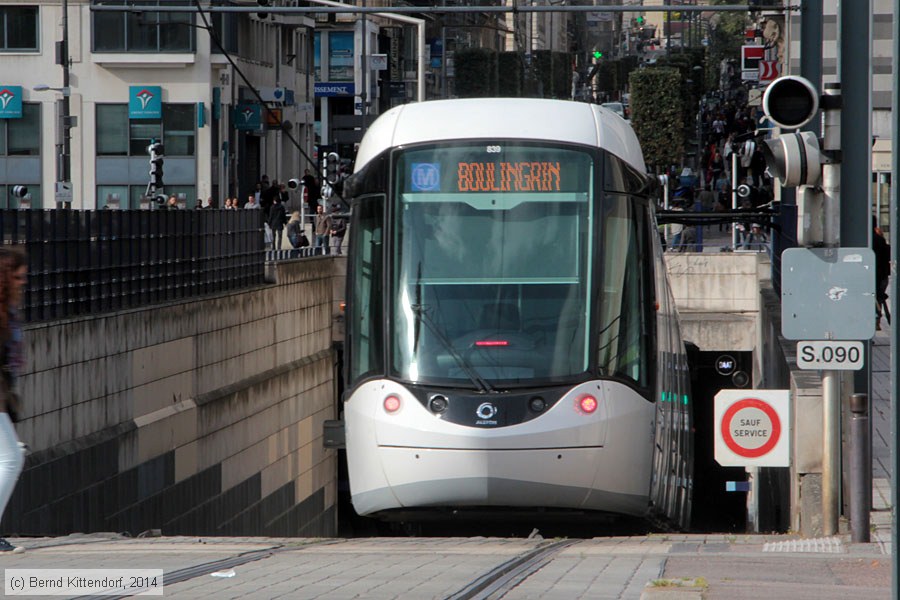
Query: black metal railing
[89, 262]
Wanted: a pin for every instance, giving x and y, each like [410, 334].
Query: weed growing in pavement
[691, 582]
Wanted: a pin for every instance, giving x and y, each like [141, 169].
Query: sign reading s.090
[831, 356]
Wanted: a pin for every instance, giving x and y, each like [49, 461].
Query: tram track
[207, 568]
[504, 577]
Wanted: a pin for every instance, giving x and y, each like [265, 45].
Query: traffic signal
[332, 167]
[18, 191]
[598, 54]
[792, 102]
[262, 15]
[640, 21]
[156, 164]
[795, 158]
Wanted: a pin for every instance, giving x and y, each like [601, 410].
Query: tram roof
[502, 118]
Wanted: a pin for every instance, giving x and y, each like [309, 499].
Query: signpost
[63, 192]
[751, 55]
[752, 428]
[831, 355]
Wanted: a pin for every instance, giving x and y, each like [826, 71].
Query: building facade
[154, 76]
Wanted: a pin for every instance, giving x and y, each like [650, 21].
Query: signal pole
[64, 158]
[831, 380]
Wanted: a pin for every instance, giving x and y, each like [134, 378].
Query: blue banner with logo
[248, 117]
[10, 101]
[340, 56]
[144, 102]
[326, 89]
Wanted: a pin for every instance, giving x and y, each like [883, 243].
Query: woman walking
[13, 274]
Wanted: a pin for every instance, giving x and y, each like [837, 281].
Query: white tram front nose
[565, 458]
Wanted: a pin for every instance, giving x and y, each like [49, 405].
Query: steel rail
[499, 580]
[207, 568]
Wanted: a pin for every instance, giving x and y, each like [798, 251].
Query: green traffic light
[598, 54]
[640, 20]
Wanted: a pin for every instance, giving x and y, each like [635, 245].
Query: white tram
[512, 342]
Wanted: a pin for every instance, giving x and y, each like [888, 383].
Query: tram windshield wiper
[421, 312]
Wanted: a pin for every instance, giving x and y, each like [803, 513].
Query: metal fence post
[860, 469]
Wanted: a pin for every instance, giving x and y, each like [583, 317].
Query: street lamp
[63, 192]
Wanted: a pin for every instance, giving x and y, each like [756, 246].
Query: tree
[725, 41]
[657, 115]
[476, 73]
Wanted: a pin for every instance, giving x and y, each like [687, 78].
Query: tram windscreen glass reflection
[492, 264]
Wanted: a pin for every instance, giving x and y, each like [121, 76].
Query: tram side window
[626, 292]
[365, 325]
[621, 177]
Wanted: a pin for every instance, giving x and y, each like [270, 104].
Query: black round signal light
[791, 102]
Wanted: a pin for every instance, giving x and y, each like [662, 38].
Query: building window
[143, 32]
[178, 129]
[112, 129]
[22, 137]
[226, 26]
[18, 28]
[119, 136]
[340, 56]
[131, 196]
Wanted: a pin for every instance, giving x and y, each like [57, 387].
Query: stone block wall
[200, 418]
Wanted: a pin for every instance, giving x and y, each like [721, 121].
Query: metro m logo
[425, 177]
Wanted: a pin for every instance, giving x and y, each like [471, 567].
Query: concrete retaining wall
[195, 418]
[726, 302]
[717, 296]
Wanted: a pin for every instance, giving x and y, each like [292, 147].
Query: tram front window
[492, 268]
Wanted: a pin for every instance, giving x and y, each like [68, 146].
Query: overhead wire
[271, 114]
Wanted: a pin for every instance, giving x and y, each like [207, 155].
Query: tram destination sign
[830, 355]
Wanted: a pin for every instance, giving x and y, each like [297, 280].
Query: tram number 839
[827, 355]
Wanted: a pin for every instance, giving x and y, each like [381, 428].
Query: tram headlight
[587, 404]
[537, 404]
[391, 404]
[438, 403]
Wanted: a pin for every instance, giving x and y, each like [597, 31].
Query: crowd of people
[279, 214]
[730, 153]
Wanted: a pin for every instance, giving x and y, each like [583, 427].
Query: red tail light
[587, 404]
[492, 343]
[391, 404]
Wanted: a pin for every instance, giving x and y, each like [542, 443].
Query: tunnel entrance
[714, 509]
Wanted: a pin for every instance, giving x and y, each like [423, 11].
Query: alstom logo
[144, 96]
[6, 97]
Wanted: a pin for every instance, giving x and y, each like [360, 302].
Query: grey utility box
[828, 294]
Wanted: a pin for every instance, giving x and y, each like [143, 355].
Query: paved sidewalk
[816, 569]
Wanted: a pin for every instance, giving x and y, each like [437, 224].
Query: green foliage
[552, 73]
[657, 112]
[512, 65]
[476, 73]
[481, 72]
[725, 41]
[689, 63]
[612, 75]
